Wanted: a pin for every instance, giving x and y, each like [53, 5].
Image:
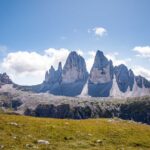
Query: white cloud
[143, 51]
[23, 65]
[99, 31]
[80, 52]
[116, 60]
[90, 59]
[139, 70]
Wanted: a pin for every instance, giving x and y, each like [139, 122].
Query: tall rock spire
[102, 70]
[74, 68]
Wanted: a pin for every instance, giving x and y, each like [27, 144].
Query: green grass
[72, 134]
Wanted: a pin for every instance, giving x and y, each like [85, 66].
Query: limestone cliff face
[122, 77]
[70, 79]
[74, 69]
[101, 75]
[102, 70]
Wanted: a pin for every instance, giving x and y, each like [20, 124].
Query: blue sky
[34, 26]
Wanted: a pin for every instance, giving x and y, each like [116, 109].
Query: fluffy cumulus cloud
[116, 60]
[143, 51]
[98, 31]
[21, 65]
[139, 70]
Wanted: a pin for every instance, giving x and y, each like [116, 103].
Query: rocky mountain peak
[4, 79]
[52, 69]
[100, 60]
[124, 77]
[102, 69]
[53, 76]
[74, 68]
[74, 60]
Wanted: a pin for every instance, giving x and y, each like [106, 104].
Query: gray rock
[74, 69]
[122, 77]
[43, 142]
[68, 81]
[4, 79]
[101, 74]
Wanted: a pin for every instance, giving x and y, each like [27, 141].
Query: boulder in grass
[44, 142]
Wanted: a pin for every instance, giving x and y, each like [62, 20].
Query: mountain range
[103, 80]
[71, 92]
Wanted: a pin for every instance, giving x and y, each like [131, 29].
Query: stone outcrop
[137, 110]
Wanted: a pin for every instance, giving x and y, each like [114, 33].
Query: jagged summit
[53, 76]
[101, 74]
[123, 78]
[74, 68]
[102, 69]
[100, 60]
[4, 79]
[75, 60]
[69, 80]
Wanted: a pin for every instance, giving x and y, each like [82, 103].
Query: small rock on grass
[99, 141]
[1, 146]
[13, 123]
[43, 142]
[89, 134]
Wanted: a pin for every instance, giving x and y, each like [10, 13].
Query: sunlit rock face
[74, 69]
[101, 74]
[102, 69]
[74, 75]
[68, 81]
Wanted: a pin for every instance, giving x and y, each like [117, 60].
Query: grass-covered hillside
[21, 132]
